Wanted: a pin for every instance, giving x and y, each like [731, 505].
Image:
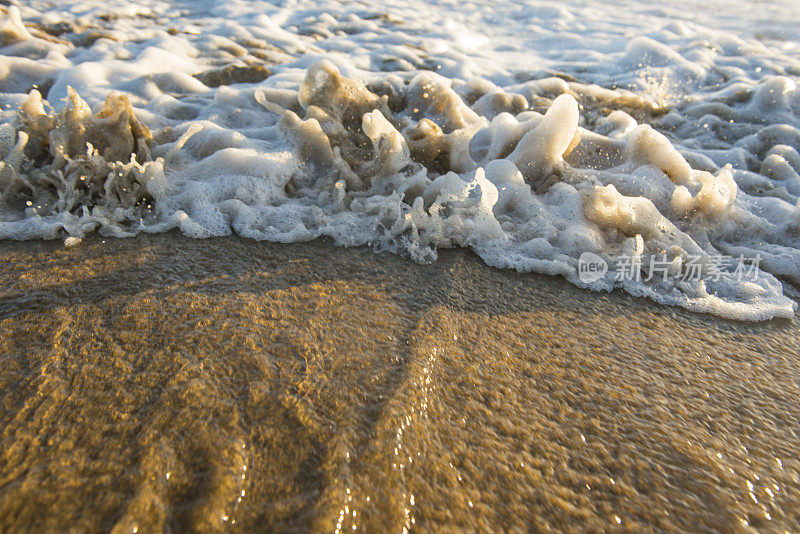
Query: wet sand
[167, 384]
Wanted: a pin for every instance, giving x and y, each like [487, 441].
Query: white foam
[529, 132]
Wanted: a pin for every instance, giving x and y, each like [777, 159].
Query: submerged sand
[162, 383]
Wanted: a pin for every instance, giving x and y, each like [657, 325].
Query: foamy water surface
[531, 132]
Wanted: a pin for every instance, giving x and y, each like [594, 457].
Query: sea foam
[372, 134]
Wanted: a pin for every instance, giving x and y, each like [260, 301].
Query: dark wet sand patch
[142, 378]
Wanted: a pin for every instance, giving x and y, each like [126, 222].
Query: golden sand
[166, 384]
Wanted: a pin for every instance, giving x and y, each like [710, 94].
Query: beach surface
[162, 383]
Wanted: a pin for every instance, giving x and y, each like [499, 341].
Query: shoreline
[313, 365]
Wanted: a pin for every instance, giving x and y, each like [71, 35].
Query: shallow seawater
[316, 266]
[532, 133]
[162, 383]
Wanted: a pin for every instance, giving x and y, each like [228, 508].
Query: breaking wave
[529, 174]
